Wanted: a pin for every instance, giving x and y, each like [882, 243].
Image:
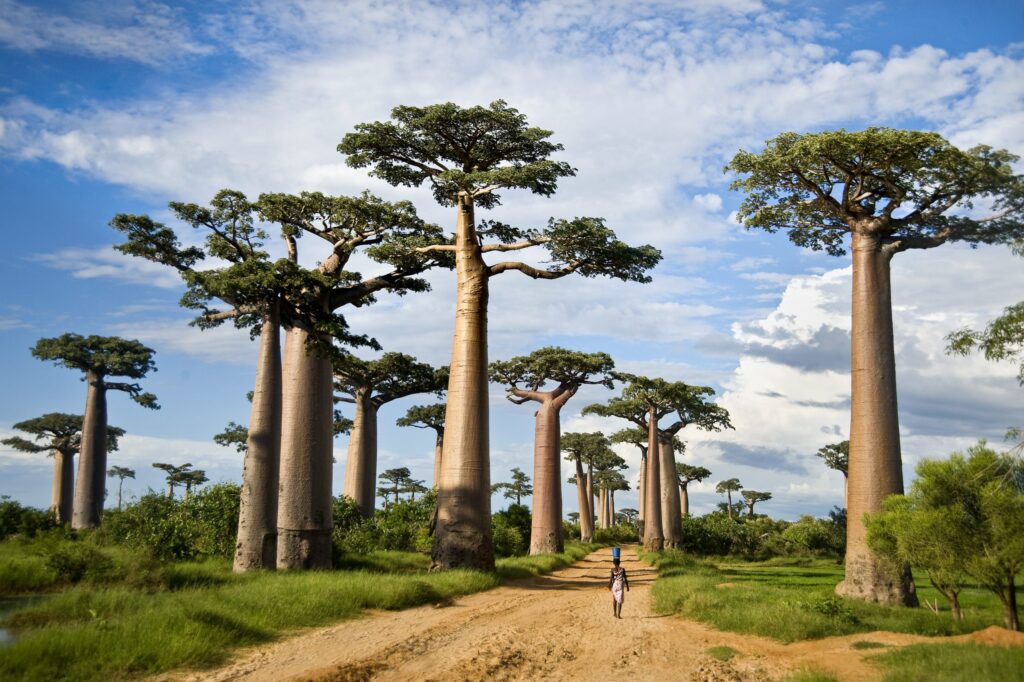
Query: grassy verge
[793, 600]
[951, 663]
[195, 614]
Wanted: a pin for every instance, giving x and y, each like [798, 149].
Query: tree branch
[530, 271]
[525, 244]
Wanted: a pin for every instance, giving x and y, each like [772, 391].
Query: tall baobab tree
[638, 437]
[60, 435]
[518, 488]
[368, 385]
[727, 488]
[428, 417]
[752, 497]
[607, 481]
[120, 473]
[645, 402]
[98, 358]
[686, 474]
[468, 156]
[585, 447]
[525, 378]
[890, 191]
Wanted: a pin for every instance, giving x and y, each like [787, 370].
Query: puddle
[8, 604]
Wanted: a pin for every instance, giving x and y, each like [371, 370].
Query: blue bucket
[616, 552]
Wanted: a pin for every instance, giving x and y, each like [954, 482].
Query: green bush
[511, 529]
[403, 527]
[616, 535]
[16, 519]
[72, 561]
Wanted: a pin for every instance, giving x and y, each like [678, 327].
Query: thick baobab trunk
[463, 535]
[590, 493]
[653, 536]
[307, 438]
[63, 486]
[257, 513]
[875, 466]
[602, 508]
[546, 526]
[92, 461]
[750, 510]
[611, 508]
[361, 466]
[438, 450]
[671, 525]
[684, 501]
[642, 485]
[586, 513]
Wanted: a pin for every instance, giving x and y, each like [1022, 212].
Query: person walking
[618, 583]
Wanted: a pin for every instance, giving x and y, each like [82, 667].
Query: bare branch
[525, 244]
[530, 271]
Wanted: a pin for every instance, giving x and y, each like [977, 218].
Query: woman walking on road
[618, 583]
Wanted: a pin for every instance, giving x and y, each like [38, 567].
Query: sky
[110, 108]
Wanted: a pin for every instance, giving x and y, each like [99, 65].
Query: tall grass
[795, 600]
[512, 568]
[952, 663]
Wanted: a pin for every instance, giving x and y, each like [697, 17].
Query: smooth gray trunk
[653, 537]
[671, 525]
[63, 486]
[546, 523]
[90, 487]
[361, 463]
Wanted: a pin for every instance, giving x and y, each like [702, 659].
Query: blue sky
[121, 110]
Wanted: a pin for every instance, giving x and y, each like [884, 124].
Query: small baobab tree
[413, 486]
[60, 435]
[580, 448]
[196, 477]
[525, 378]
[645, 402]
[727, 488]
[468, 156]
[889, 191]
[394, 481]
[368, 385]
[120, 473]
[518, 488]
[98, 358]
[428, 417]
[752, 497]
[836, 456]
[607, 481]
[175, 475]
[686, 474]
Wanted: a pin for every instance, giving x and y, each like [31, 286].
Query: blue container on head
[616, 552]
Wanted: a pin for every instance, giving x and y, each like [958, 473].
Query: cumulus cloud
[106, 262]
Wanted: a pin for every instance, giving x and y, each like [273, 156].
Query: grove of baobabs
[472, 317]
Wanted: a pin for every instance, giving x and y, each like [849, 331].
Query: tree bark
[671, 525]
[590, 493]
[641, 513]
[653, 535]
[875, 465]
[361, 464]
[602, 508]
[750, 510]
[586, 514]
[92, 460]
[611, 508]
[307, 437]
[463, 535]
[728, 497]
[1009, 599]
[63, 486]
[438, 450]
[257, 513]
[684, 500]
[546, 526]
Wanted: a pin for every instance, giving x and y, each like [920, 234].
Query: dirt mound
[993, 636]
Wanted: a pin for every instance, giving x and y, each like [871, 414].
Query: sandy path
[557, 627]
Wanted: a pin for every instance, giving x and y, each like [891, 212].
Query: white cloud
[708, 202]
[106, 262]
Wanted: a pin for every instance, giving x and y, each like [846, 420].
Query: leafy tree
[629, 515]
[192, 478]
[121, 473]
[752, 497]
[516, 490]
[468, 156]
[393, 481]
[727, 488]
[836, 456]
[638, 437]
[98, 358]
[428, 417]
[1002, 339]
[585, 448]
[685, 474]
[574, 517]
[962, 516]
[234, 435]
[176, 475]
[60, 435]
[368, 385]
[607, 480]
[526, 377]
[890, 191]
[645, 402]
[412, 487]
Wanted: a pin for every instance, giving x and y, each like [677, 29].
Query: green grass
[865, 644]
[143, 617]
[722, 653]
[810, 675]
[951, 663]
[793, 600]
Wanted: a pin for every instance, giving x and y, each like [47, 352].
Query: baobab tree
[98, 358]
[394, 481]
[518, 488]
[196, 477]
[584, 447]
[607, 481]
[60, 435]
[727, 488]
[413, 486]
[890, 191]
[468, 156]
[428, 417]
[368, 385]
[120, 473]
[686, 474]
[752, 497]
[525, 377]
[175, 475]
[644, 402]
[638, 437]
[836, 456]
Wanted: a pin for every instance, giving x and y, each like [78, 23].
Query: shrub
[404, 526]
[16, 519]
[622, 533]
[72, 561]
[511, 529]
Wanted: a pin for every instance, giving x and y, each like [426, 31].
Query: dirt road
[559, 627]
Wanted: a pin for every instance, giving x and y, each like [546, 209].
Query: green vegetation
[792, 599]
[951, 663]
[810, 675]
[722, 653]
[511, 568]
[867, 644]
